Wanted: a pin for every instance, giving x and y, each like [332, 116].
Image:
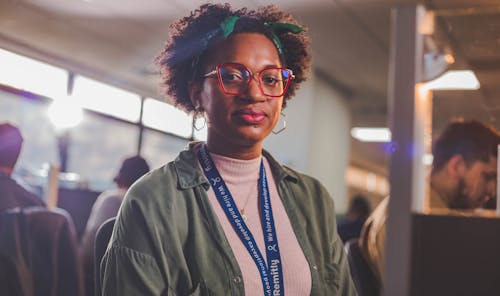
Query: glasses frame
[216, 72]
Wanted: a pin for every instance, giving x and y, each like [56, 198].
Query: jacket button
[237, 279]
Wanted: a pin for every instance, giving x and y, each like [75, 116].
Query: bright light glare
[65, 113]
[31, 75]
[454, 80]
[100, 97]
[371, 134]
[167, 118]
[427, 159]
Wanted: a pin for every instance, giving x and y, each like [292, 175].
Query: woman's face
[240, 121]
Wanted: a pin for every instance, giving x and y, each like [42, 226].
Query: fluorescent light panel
[371, 134]
[454, 80]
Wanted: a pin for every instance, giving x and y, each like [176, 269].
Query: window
[33, 76]
[158, 148]
[167, 118]
[100, 97]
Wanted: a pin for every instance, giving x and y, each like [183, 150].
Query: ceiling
[115, 41]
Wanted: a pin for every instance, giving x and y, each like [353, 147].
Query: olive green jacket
[167, 239]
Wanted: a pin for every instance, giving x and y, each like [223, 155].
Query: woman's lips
[250, 116]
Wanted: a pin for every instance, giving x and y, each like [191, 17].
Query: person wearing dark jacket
[38, 250]
[12, 195]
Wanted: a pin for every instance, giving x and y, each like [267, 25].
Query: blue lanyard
[272, 273]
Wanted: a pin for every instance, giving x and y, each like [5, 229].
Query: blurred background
[77, 77]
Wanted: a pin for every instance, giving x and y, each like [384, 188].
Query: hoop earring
[284, 124]
[198, 113]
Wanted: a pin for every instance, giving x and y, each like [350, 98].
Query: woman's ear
[194, 89]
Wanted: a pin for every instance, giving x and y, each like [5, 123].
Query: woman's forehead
[249, 49]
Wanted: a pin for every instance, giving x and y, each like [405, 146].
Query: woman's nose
[254, 92]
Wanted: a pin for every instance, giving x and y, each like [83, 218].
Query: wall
[329, 153]
[291, 146]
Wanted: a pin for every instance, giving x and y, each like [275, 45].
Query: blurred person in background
[350, 226]
[463, 178]
[106, 206]
[12, 194]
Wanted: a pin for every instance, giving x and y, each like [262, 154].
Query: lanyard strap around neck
[272, 273]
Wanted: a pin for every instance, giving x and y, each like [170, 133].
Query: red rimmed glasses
[234, 79]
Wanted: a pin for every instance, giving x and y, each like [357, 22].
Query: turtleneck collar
[232, 169]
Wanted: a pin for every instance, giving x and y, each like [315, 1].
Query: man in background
[463, 178]
[12, 194]
[106, 206]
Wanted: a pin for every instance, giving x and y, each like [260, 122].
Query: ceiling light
[65, 113]
[371, 134]
[454, 80]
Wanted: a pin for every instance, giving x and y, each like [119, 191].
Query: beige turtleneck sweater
[241, 178]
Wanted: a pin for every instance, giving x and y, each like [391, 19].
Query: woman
[225, 218]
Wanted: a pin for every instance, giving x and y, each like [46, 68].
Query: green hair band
[275, 28]
[227, 25]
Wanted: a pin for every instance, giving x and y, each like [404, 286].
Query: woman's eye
[269, 80]
[232, 76]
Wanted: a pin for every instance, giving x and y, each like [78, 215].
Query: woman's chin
[253, 133]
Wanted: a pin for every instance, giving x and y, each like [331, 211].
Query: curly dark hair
[184, 55]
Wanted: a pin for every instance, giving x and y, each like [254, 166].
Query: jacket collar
[190, 175]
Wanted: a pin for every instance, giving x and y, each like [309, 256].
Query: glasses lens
[234, 78]
[274, 80]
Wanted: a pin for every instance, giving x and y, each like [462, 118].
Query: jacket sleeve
[128, 272]
[346, 285]
[129, 266]
[316, 209]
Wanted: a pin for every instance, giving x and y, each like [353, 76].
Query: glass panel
[463, 64]
[40, 145]
[100, 97]
[31, 75]
[98, 146]
[167, 118]
[158, 148]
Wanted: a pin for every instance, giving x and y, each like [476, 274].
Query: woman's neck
[235, 151]
[235, 171]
